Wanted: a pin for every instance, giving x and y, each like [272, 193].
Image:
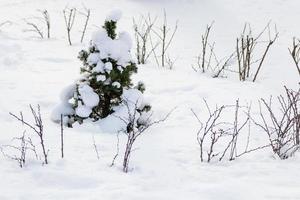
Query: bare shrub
[35, 24]
[24, 144]
[283, 127]
[165, 36]
[207, 60]
[295, 53]
[142, 30]
[69, 18]
[204, 58]
[37, 127]
[136, 124]
[218, 138]
[222, 65]
[246, 50]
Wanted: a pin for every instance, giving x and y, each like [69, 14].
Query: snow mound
[83, 111]
[114, 15]
[118, 49]
[88, 96]
[67, 93]
[64, 108]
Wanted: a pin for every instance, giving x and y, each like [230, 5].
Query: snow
[118, 49]
[120, 68]
[88, 96]
[101, 78]
[165, 163]
[64, 108]
[116, 84]
[93, 58]
[114, 15]
[83, 110]
[108, 66]
[133, 96]
[67, 93]
[99, 67]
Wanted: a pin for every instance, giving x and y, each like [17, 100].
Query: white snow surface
[83, 110]
[114, 15]
[88, 96]
[165, 162]
[63, 108]
[118, 49]
[99, 67]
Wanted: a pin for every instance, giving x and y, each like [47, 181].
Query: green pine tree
[109, 84]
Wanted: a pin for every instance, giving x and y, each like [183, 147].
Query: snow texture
[99, 67]
[83, 110]
[114, 15]
[88, 96]
[64, 108]
[118, 49]
[165, 163]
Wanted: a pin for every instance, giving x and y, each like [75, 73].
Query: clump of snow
[120, 68]
[83, 111]
[101, 78]
[108, 66]
[93, 58]
[99, 67]
[132, 95]
[64, 109]
[67, 93]
[116, 84]
[118, 49]
[126, 40]
[144, 118]
[134, 99]
[89, 100]
[114, 15]
[88, 96]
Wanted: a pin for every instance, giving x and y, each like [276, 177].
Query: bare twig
[295, 53]
[215, 129]
[21, 149]
[96, 148]
[283, 130]
[164, 38]
[34, 28]
[246, 48]
[62, 136]
[142, 31]
[118, 150]
[86, 14]
[46, 18]
[69, 17]
[136, 124]
[37, 127]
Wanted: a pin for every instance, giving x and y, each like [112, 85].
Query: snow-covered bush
[283, 127]
[105, 75]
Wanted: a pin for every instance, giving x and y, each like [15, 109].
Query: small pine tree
[105, 74]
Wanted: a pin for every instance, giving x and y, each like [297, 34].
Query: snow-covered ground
[166, 163]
